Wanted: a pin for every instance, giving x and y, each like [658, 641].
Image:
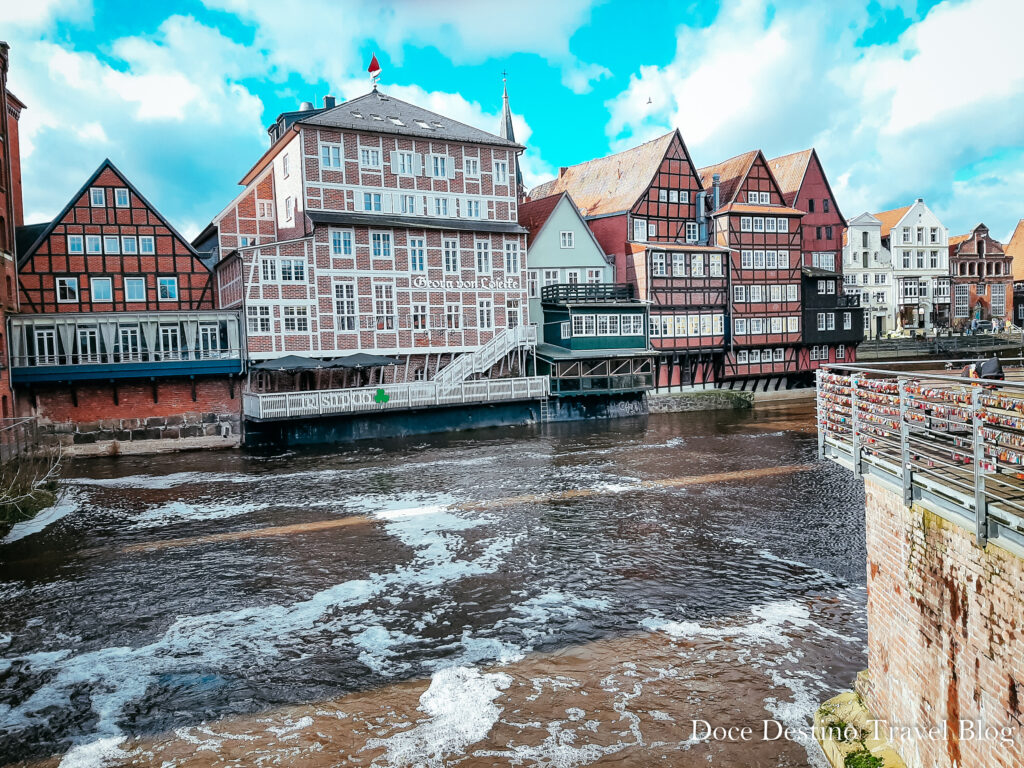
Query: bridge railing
[953, 443]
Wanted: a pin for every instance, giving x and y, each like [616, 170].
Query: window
[639, 230]
[511, 259]
[791, 292]
[632, 325]
[998, 299]
[756, 293]
[847, 321]
[451, 255]
[841, 352]
[245, 241]
[257, 319]
[129, 348]
[407, 204]
[501, 172]
[766, 198]
[769, 225]
[101, 290]
[67, 289]
[716, 264]
[471, 166]
[771, 259]
[268, 270]
[658, 264]
[371, 201]
[533, 284]
[483, 257]
[697, 265]
[419, 317]
[473, 209]
[381, 244]
[655, 326]
[663, 195]
[758, 259]
[296, 319]
[341, 242]
[613, 324]
[831, 318]
[135, 289]
[828, 231]
[775, 325]
[209, 340]
[330, 155]
[369, 158]
[810, 206]
[75, 244]
[384, 306]
[406, 164]
[293, 270]
[121, 197]
[111, 244]
[265, 209]
[97, 197]
[679, 265]
[147, 244]
[568, 239]
[673, 196]
[740, 326]
[577, 325]
[775, 293]
[906, 234]
[484, 314]
[757, 325]
[782, 225]
[594, 276]
[452, 317]
[441, 206]
[550, 277]
[821, 321]
[691, 232]
[170, 342]
[741, 356]
[566, 331]
[747, 260]
[739, 293]
[285, 166]
[745, 224]
[758, 224]
[792, 325]
[440, 166]
[652, 229]
[779, 355]
[289, 208]
[167, 288]
[512, 314]
[572, 276]
[417, 254]
[934, 235]
[783, 259]
[129, 245]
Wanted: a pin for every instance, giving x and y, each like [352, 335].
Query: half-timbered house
[762, 232]
[118, 321]
[646, 207]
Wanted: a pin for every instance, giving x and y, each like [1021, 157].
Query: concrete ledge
[699, 400]
[846, 731]
[803, 393]
[142, 447]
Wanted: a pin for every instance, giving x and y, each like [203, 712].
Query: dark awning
[290, 363]
[362, 360]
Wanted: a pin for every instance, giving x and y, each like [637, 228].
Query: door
[878, 326]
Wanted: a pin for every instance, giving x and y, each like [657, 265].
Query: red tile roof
[610, 184]
[1015, 248]
[533, 214]
[789, 171]
[891, 218]
[957, 239]
[732, 173]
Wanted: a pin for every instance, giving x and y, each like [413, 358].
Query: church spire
[508, 132]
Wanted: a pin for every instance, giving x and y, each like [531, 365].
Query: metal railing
[18, 437]
[955, 444]
[582, 293]
[482, 359]
[387, 397]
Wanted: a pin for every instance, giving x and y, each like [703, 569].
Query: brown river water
[572, 595]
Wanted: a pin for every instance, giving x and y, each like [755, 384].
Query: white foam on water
[291, 728]
[69, 502]
[461, 710]
[116, 677]
[180, 511]
[95, 754]
[773, 622]
[378, 644]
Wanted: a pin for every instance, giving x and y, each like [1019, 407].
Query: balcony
[124, 345]
[587, 293]
[390, 397]
[951, 444]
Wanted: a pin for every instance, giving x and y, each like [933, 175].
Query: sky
[901, 98]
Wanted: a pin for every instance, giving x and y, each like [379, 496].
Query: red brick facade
[945, 645]
[107, 235]
[983, 271]
[10, 219]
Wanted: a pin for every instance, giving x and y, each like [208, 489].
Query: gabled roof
[957, 239]
[789, 171]
[891, 218]
[611, 184]
[44, 230]
[533, 214]
[863, 219]
[380, 113]
[1016, 244]
[732, 172]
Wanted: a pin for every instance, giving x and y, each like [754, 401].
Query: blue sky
[178, 95]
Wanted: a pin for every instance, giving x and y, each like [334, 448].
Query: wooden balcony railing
[582, 293]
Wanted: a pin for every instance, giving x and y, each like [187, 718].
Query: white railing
[482, 359]
[423, 394]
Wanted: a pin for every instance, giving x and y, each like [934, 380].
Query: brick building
[10, 219]
[763, 232]
[118, 329]
[833, 322]
[646, 207]
[982, 274]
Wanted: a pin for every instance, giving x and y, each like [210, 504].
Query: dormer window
[422, 124]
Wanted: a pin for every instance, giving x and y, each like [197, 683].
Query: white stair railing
[485, 357]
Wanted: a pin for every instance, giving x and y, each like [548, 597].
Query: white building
[868, 271]
[919, 246]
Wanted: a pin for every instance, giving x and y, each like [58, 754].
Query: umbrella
[290, 363]
[362, 360]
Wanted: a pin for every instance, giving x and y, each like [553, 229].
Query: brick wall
[88, 415]
[945, 643]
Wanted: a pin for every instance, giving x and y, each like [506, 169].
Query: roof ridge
[622, 152]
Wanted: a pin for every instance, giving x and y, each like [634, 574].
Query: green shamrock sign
[381, 397]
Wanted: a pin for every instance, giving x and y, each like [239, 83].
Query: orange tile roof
[1015, 249]
[891, 218]
[732, 173]
[610, 184]
[789, 171]
[957, 239]
[533, 214]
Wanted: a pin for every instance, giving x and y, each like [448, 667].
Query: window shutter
[450, 167]
[394, 162]
[427, 168]
[417, 164]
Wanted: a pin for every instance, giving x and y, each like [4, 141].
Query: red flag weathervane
[374, 70]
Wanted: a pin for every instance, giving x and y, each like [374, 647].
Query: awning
[362, 360]
[290, 363]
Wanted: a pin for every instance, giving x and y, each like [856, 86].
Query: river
[571, 595]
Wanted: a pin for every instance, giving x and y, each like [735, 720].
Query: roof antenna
[649, 100]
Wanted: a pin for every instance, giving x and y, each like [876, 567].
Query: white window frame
[452, 257]
[453, 316]
[70, 286]
[97, 197]
[129, 245]
[339, 244]
[485, 314]
[147, 245]
[296, 315]
[118, 197]
[567, 239]
[382, 245]
[370, 157]
[166, 281]
[512, 261]
[258, 319]
[332, 155]
[111, 244]
[692, 232]
[417, 250]
[482, 257]
[128, 283]
[93, 282]
[76, 244]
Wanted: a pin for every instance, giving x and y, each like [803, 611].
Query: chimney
[328, 102]
[920, 199]
[306, 106]
[562, 170]
[716, 184]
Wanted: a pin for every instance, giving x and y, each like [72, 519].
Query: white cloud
[891, 122]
